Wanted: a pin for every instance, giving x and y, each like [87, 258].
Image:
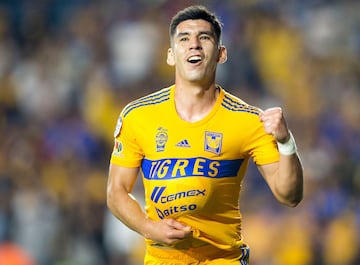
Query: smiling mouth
[194, 59]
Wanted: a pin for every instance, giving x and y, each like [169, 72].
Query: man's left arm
[285, 177]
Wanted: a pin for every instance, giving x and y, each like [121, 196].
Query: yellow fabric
[193, 171]
[205, 255]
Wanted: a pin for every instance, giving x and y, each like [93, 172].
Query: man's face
[194, 51]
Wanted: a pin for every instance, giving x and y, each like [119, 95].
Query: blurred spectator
[12, 254]
[133, 44]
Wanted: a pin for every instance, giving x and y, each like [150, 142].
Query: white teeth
[195, 58]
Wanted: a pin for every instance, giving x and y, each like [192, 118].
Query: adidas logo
[183, 143]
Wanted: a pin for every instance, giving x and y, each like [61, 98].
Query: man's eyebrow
[207, 32]
[185, 33]
[180, 34]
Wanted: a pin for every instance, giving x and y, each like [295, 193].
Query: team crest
[161, 139]
[213, 142]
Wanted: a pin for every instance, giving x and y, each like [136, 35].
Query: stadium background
[67, 67]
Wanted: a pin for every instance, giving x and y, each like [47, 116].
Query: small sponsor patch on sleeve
[118, 127]
[118, 148]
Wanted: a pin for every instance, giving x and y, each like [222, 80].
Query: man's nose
[195, 43]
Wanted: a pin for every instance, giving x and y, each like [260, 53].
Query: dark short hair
[196, 12]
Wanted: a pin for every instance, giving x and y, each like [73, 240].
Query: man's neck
[194, 102]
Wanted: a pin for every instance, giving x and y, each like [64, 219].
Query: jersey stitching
[152, 99]
[236, 106]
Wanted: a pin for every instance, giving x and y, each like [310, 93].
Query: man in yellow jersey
[192, 143]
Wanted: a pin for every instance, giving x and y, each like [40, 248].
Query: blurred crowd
[67, 67]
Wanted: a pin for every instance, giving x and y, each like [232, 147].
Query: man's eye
[184, 39]
[205, 37]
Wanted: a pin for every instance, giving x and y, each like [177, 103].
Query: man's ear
[222, 55]
[170, 57]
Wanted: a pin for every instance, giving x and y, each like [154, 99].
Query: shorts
[204, 255]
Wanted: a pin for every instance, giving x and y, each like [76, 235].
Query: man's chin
[196, 78]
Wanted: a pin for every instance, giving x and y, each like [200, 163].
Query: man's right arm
[125, 207]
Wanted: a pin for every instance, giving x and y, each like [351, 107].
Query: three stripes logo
[183, 143]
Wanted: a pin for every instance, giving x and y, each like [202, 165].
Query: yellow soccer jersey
[192, 172]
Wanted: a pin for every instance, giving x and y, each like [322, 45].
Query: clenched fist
[275, 124]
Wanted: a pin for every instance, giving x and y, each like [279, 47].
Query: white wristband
[288, 148]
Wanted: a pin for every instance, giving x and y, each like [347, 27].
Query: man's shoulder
[150, 100]
[235, 104]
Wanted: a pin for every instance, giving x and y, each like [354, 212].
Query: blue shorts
[208, 254]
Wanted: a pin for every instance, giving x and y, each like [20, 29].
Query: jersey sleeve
[263, 148]
[126, 151]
